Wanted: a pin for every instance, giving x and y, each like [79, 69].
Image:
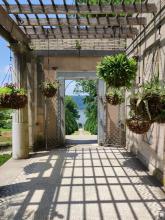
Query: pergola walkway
[87, 183]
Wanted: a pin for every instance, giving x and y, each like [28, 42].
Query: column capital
[20, 48]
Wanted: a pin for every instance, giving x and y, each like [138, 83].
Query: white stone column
[20, 137]
[31, 75]
[101, 113]
[60, 114]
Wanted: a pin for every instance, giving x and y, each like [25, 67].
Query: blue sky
[4, 58]
[69, 87]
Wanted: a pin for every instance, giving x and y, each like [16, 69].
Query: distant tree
[90, 101]
[71, 115]
[6, 119]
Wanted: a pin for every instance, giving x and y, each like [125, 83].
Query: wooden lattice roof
[42, 19]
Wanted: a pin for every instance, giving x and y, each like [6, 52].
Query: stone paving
[82, 183]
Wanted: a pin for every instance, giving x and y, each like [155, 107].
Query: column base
[20, 145]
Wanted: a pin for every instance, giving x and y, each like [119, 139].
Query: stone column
[101, 112]
[20, 137]
[31, 75]
[60, 114]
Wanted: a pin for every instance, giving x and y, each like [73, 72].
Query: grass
[5, 129]
[4, 158]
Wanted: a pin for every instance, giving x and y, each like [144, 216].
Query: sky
[69, 87]
[4, 59]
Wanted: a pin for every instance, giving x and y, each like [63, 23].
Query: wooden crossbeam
[83, 9]
[80, 31]
[11, 27]
[83, 36]
[112, 21]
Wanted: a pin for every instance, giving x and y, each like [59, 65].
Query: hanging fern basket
[113, 100]
[117, 71]
[138, 125]
[150, 106]
[12, 97]
[160, 118]
[49, 89]
[49, 92]
[133, 103]
[115, 96]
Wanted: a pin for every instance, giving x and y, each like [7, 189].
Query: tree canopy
[71, 115]
[90, 101]
[6, 119]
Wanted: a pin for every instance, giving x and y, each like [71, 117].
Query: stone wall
[150, 46]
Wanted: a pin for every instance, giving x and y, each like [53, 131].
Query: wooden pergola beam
[83, 36]
[81, 9]
[87, 53]
[12, 30]
[90, 30]
[111, 21]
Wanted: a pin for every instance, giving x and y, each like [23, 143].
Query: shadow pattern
[83, 184]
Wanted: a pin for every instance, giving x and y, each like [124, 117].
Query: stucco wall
[46, 123]
[150, 147]
[72, 63]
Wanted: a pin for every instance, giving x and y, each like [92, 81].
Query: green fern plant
[117, 71]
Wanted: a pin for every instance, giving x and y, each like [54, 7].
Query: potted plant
[12, 97]
[115, 96]
[138, 125]
[152, 100]
[49, 89]
[117, 71]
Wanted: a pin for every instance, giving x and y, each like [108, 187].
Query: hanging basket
[114, 99]
[138, 125]
[49, 89]
[118, 70]
[160, 119]
[49, 92]
[150, 106]
[115, 96]
[13, 101]
[12, 97]
[133, 103]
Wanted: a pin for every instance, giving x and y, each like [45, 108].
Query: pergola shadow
[83, 184]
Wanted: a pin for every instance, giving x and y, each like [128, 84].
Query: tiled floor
[85, 183]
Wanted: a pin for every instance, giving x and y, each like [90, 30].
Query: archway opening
[81, 124]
